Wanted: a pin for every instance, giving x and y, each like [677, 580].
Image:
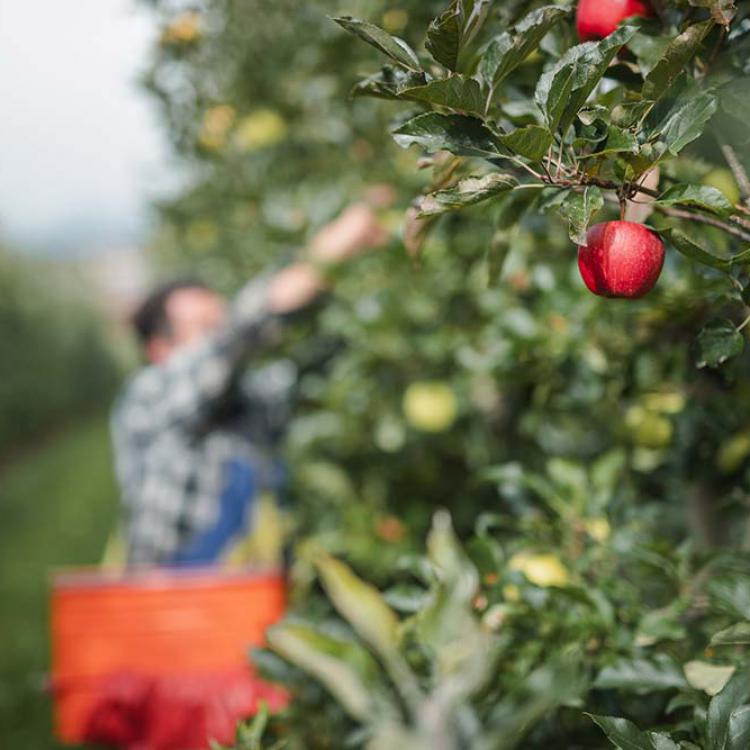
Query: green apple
[430, 405]
[541, 569]
[733, 453]
[647, 428]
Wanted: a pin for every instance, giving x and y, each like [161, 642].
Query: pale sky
[81, 150]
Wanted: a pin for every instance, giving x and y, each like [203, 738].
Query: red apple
[596, 19]
[620, 259]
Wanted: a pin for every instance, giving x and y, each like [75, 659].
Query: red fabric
[181, 712]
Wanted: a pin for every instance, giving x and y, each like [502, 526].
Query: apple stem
[623, 207]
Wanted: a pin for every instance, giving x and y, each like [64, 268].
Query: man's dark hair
[150, 318]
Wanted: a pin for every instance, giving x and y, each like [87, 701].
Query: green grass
[57, 506]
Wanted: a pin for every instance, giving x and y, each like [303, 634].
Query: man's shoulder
[133, 404]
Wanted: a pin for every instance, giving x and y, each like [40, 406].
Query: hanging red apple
[596, 19]
[620, 259]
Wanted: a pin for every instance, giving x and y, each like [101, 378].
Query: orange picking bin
[128, 648]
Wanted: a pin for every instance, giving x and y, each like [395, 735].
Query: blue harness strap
[235, 504]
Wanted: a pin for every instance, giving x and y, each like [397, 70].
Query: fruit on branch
[430, 406]
[540, 569]
[620, 259]
[596, 19]
[261, 129]
[647, 428]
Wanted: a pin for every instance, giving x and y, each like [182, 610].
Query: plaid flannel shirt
[178, 424]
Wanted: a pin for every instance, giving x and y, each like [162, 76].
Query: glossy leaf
[625, 735]
[738, 735]
[467, 192]
[735, 694]
[507, 51]
[531, 142]
[454, 92]
[579, 208]
[674, 60]
[389, 83]
[695, 252]
[459, 134]
[642, 675]
[454, 29]
[735, 635]
[698, 196]
[563, 90]
[619, 141]
[686, 120]
[718, 342]
[397, 49]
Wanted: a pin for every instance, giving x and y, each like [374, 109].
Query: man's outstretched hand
[355, 230]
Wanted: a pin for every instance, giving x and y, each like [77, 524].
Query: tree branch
[678, 213]
[738, 170]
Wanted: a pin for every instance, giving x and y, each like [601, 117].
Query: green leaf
[250, 734]
[738, 736]
[447, 625]
[699, 196]
[718, 342]
[642, 675]
[454, 92]
[397, 49]
[553, 93]
[388, 83]
[732, 594]
[467, 192]
[559, 681]
[505, 52]
[312, 652]
[648, 50]
[686, 120]
[625, 735]
[563, 90]
[459, 134]
[691, 250]
[578, 209]
[734, 99]
[735, 635]
[735, 694]
[360, 604]
[722, 11]
[674, 60]
[531, 142]
[619, 141]
[450, 33]
[660, 625]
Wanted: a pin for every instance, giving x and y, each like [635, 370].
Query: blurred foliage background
[596, 478]
[573, 431]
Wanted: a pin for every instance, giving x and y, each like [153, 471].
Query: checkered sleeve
[188, 386]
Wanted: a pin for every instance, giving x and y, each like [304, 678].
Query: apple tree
[592, 451]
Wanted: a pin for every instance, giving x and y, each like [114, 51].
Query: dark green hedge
[55, 361]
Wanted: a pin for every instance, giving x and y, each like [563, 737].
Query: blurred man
[193, 446]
